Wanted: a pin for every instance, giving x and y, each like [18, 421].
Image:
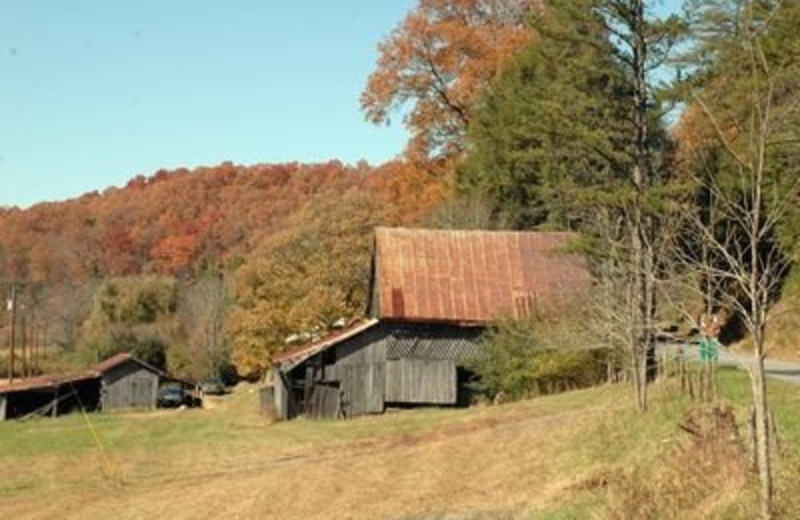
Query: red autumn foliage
[177, 222]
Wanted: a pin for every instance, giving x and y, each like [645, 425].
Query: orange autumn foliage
[438, 60]
[174, 223]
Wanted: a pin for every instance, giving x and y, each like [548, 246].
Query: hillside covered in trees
[521, 114]
[151, 266]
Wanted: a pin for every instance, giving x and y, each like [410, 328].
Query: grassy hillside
[573, 455]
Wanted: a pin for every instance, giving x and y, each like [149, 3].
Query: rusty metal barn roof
[473, 277]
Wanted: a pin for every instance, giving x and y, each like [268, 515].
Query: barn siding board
[418, 381]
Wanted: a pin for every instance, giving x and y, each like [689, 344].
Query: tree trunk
[762, 443]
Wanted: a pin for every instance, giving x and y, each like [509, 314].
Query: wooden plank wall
[129, 386]
[324, 403]
[421, 381]
[363, 387]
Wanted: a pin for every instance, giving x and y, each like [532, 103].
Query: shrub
[532, 357]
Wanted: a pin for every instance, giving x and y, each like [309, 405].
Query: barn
[433, 293]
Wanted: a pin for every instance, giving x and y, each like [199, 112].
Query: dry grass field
[577, 455]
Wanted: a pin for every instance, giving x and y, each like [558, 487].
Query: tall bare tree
[750, 105]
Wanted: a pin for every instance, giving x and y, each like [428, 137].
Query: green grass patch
[558, 457]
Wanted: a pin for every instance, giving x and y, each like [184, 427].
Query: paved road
[784, 370]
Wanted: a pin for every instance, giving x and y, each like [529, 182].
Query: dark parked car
[213, 386]
[173, 397]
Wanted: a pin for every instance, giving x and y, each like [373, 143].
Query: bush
[534, 357]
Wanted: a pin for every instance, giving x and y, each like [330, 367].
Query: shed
[118, 383]
[49, 395]
[127, 383]
[433, 293]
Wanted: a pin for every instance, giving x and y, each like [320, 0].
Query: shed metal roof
[290, 359]
[46, 382]
[473, 277]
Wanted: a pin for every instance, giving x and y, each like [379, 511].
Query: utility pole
[25, 353]
[12, 307]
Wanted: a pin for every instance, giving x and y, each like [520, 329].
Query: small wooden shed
[433, 294]
[128, 383]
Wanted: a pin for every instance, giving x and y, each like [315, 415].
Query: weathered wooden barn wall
[356, 367]
[363, 388]
[129, 385]
[390, 363]
[421, 381]
[367, 348]
[326, 402]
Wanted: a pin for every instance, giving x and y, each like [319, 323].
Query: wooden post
[309, 383]
[54, 410]
[34, 354]
[24, 346]
[12, 304]
[35, 348]
[751, 428]
[682, 372]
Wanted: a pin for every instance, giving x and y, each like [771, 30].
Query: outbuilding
[50, 395]
[121, 382]
[128, 383]
[433, 293]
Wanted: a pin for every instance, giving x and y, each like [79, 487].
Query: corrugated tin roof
[473, 277]
[124, 357]
[46, 382]
[51, 381]
[115, 361]
[292, 358]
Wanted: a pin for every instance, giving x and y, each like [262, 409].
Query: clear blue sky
[93, 92]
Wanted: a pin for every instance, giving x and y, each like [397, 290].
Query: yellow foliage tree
[304, 278]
